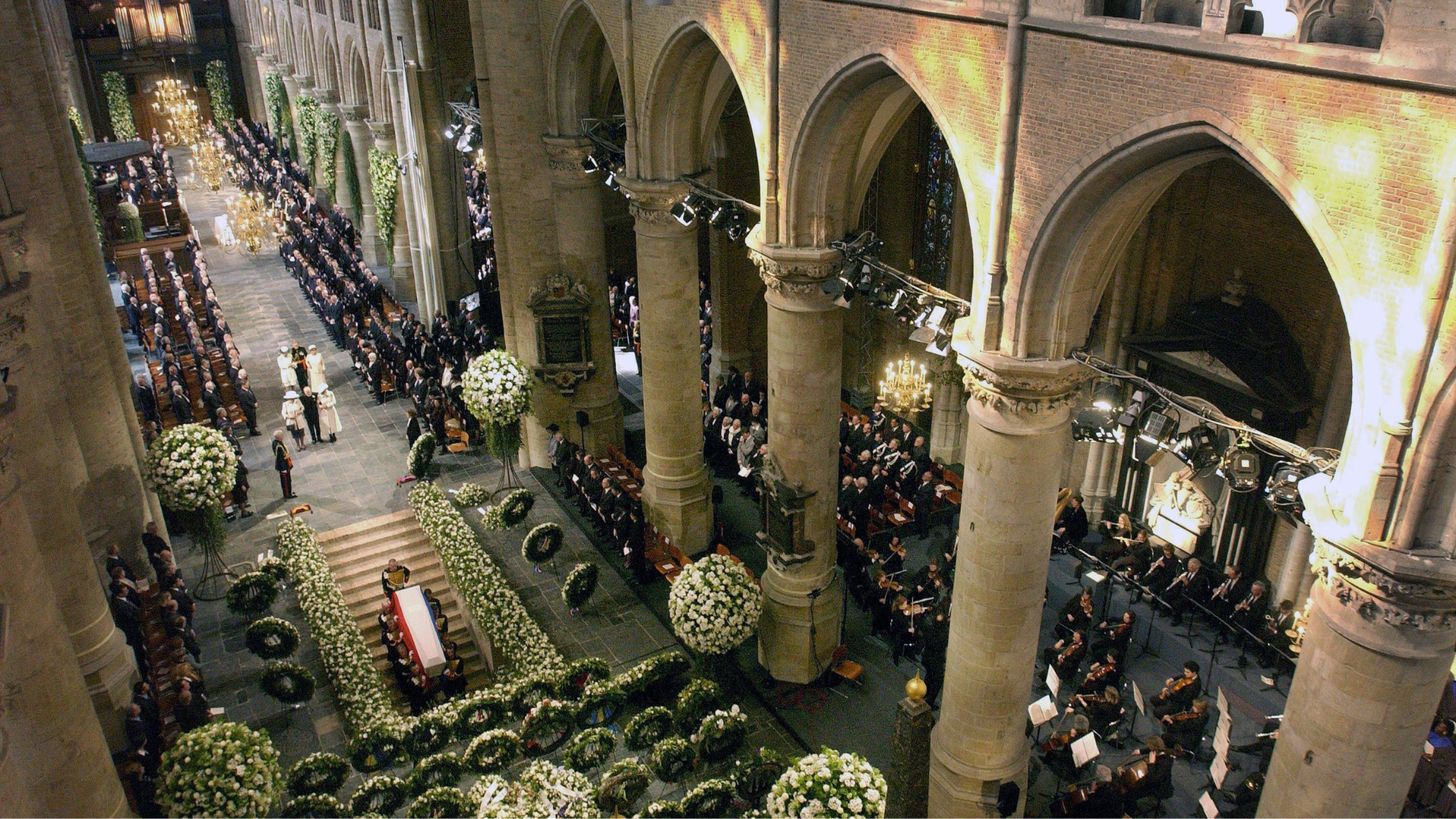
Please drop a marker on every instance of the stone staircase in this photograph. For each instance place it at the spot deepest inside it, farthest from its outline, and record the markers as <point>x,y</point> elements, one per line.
<point>357,553</point>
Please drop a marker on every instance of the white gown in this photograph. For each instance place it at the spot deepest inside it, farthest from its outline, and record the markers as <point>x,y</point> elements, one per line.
<point>315,363</point>
<point>329,413</point>
<point>286,372</point>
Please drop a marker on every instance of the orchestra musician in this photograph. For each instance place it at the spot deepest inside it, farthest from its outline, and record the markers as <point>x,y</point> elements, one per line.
<point>1076,615</point>
<point>1192,585</point>
<point>1178,692</point>
<point>1183,730</point>
<point>1227,594</point>
<point>1161,571</point>
<point>1115,637</point>
<point>1149,774</point>
<point>1057,750</point>
<point>1101,674</point>
<point>1276,631</point>
<point>1103,709</point>
<point>1065,655</point>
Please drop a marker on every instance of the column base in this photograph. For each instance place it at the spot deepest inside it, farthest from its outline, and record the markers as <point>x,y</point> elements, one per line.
<point>797,634</point>
<point>958,791</point>
<point>403,274</point>
<point>679,507</point>
<point>109,679</point>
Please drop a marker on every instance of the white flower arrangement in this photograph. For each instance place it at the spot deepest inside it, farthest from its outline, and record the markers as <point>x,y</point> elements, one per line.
<point>543,789</point>
<point>496,388</point>
<point>714,605</point>
<point>484,589</point>
<point>191,467</point>
<point>829,783</point>
<point>220,769</point>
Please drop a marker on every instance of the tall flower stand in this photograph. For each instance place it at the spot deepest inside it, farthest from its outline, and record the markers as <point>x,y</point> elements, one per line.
<point>508,480</point>
<point>207,530</point>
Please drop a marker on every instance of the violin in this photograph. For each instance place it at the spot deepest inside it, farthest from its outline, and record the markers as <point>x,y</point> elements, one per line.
<point>1060,739</point>
<point>1076,797</point>
<point>1068,651</point>
<point>1097,675</point>
<point>1176,686</point>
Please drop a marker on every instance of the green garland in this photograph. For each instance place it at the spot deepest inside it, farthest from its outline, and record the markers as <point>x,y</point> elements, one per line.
<point>384,183</point>
<point>671,760</point>
<point>271,638</point>
<point>308,133</point>
<point>326,135</point>
<point>547,726</point>
<point>220,93</point>
<point>441,801</point>
<point>492,751</point>
<point>280,122</point>
<point>589,749</point>
<point>351,171</point>
<point>252,594</point>
<point>711,798</point>
<point>88,173</point>
<point>622,785</point>
<point>584,672</point>
<point>542,543</point>
<point>315,805</point>
<point>660,671</point>
<point>662,809</point>
<point>288,682</point>
<point>381,794</point>
<point>118,106</point>
<point>720,734</point>
<point>75,117</point>
<point>320,772</point>
<point>647,728</point>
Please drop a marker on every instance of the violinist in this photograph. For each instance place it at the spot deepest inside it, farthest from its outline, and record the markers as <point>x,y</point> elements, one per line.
<point>1076,615</point>
<point>1065,655</point>
<point>904,642</point>
<point>885,586</point>
<point>895,559</point>
<point>1183,730</point>
<point>1115,636</point>
<point>1102,709</point>
<point>1057,750</point>
<point>1178,692</point>
<point>1103,673</point>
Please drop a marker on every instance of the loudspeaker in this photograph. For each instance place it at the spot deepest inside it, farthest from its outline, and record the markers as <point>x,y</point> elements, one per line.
<point>582,419</point>
<point>1007,798</point>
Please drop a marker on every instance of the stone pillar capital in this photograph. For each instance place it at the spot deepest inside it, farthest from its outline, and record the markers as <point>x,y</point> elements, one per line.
<point>1016,396</point>
<point>326,96</point>
<point>651,201</point>
<point>565,154</point>
<point>1395,602</point>
<point>794,276</point>
<point>353,115</point>
<point>383,133</point>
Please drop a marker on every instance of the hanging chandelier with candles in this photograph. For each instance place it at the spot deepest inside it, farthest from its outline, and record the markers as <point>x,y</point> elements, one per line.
<point>905,387</point>
<point>174,102</point>
<point>250,224</point>
<point>209,161</point>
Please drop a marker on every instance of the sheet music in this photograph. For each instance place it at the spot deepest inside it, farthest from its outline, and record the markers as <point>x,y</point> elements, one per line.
<point>1223,706</point>
<point>1218,771</point>
<point>1085,750</point>
<point>1053,682</point>
<point>1041,711</point>
<point>1221,743</point>
<point>1095,577</point>
<point>1210,809</point>
<point>1137,697</point>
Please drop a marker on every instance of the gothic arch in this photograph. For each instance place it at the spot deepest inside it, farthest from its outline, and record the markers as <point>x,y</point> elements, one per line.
<point>328,78</point>
<point>358,85</point>
<point>689,87</point>
<point>856,113</point>
<point>583,69</point>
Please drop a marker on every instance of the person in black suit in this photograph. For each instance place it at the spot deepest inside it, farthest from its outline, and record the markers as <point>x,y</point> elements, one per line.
<point>923,496</point>
<point>1228,593</point>
<point>146,744</point>
<point>1192,586</point>
<point>181,405</point>
<point>412,430</point>
<point>211,399</point>
<point>1248,614</point>
<point>249,403</point>
<point>1178,692</point>
<point>283,463</point>
<point>146,399</point>
<point>114,560</point>
<point>311,414</point>
<point>1071,525</point>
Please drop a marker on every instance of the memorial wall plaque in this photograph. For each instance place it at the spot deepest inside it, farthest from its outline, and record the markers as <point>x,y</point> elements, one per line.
<point>563,336</point>
<point>564,340</point>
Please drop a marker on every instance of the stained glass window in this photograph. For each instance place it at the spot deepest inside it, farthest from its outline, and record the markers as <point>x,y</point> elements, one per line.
<point>936,181</point>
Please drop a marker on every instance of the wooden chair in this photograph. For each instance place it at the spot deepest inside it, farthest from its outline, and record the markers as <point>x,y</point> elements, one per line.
<point>844,668</point>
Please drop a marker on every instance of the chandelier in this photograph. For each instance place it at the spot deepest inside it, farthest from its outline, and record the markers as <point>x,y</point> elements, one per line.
<point>175,104</point>
<point>905,387</point>
<point>249,224</point>
<point>209,161</point>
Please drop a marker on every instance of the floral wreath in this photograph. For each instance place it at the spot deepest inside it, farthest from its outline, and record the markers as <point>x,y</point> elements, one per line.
<point>649,727</point>
<point>252,594</point>
<point>480,713</point>
<point>654,672</point>
<point>373,750</point>
<point>529,692</point>
<point>542,543</point>
<point>662,809</point>
<point>492,751</point>
<point>428,735</point>
<point>380,794</point>
<point>698,698</point>
<point>709,798</point>
<point>441,801</point>
<point>320,772</point>
<point>622,785</point>
<point>220,769</point>
<point>510,512</point>
<point>600,702</point>
<point>421,455</point>
<point>274,567</point>
<point>288,682</point>
<point>435,771</point>
<point>271,638</point>
<point>315,804</point>
<point>547,726</point>
<point>754,775</point>
<point>580,582</point>
<point>471,494</point>
<point>583,673</point>
<point>671,759</point>
<point>589,749</point>
<point>544,789</point>
<point>841,784</point>
<point>714,605</point>
<point>720,734</point>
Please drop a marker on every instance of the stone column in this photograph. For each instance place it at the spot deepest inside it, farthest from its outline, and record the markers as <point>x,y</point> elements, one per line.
<point>402,268</point>
<point>1376,654</point>
<point>947,414</point>
<point>252,68</point>
<point>1016,443</point>
<point>677,484</point>
<point>803,596</point>
<point>360,142</point>
<point>55,757</point>
<point>582,244</point>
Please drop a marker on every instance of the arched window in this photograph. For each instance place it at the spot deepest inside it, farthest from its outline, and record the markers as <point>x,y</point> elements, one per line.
<point>346,11</point>
<point>371,11</point>
<point>935,212</point>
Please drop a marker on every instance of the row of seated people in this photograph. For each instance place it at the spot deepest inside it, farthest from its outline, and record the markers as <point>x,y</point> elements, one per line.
<point>608,491</point>
<point>735,427</point>
<point>171,697</point>
<point>420,689</point>
<point>887,478</point>
<point>435,357</point>
<point>195,368</point>
<point>147,179</point>
<point>1230,600</point>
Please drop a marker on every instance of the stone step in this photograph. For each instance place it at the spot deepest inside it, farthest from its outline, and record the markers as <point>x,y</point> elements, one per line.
<point>404,515</point>
<point>367,540</point>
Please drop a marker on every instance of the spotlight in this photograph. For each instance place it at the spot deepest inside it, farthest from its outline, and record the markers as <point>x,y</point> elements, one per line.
<point>1241,467</point>
<point>892,299</point>
<point>1157,428</point>
<point>1282,490</point>
<point>452,130</point>
<point>590,163</point>
<point>1198,447</point>
<point>722,215</point>
<point>684,214</point>
<point>1093,424</point>
<point>612,182</point>
<point>1134,409</point>
<point>929,324</point>
<point>941,345</point>
<point>738,226</point>
<point>1107,395</point>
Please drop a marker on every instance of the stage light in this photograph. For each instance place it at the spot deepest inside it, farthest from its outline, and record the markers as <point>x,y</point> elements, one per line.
<point>931,326</point>
<point>1156,429</point>
<point>1134,409</point>
<point>738,226</point>
<point>941,345</point>
<point>684,214</point>
<point>1282,490</point>
<point>1241,467</point>
<point>1198,447</point>
<point>469,140</point>
<point>722,215</point>
<point>611,181</point>
<point>590,163</point>
<point>452,130</point>
<point>1107,395</point>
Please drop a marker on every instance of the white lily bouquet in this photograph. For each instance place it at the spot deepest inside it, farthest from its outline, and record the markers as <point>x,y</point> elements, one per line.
<point>496,388</point>
<point>829,783</point>
<point>193,468</point>
<point>220,769</point>
<point>714,605</point>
